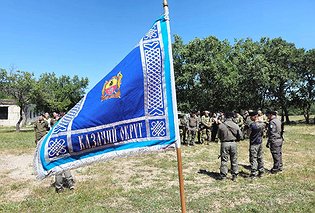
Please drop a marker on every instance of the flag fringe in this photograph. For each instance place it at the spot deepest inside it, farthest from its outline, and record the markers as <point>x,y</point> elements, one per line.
<point>41,173</point>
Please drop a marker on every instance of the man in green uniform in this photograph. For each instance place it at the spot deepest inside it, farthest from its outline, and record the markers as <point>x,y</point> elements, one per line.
<point>40,128</point>
<point>214,126</point>
<point>255,145</point>
<point>228,133</point>
<point>182,127</point>
<point>239,120</point>
<point>192,127</point>
<point>205,128</point>
<point>275,141</point>
<point>64,179</point>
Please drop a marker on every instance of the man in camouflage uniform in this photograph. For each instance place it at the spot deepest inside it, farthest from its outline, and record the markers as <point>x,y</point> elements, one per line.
<point>40,128</point>
<point>192,127</point>
<point>263,118</point>
<point>239,120</point>
<point>228,133</point>
<point>64,179</point>
<point>255,145</point>
<point>214,126</point>
<point>182,127</point>
<point>198,114</point>
<point>275,141</point>
<point>247,122</point>
<point>205,128</point>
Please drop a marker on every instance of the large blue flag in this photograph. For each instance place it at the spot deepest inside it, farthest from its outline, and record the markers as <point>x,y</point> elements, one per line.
<point>131,110</point>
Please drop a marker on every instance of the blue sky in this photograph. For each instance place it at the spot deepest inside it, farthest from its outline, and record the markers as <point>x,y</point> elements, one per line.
<point>88,38</point>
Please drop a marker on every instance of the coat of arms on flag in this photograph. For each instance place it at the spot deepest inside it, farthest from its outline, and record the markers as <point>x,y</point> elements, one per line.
<point>111,88</point>
<point>131,110</point>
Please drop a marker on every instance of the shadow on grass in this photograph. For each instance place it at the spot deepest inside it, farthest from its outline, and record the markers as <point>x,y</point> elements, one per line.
<point>214,175</point>
<point>27,130</point>
<point>243,174</point>
<point>247,167</point>
<point>217,176</point>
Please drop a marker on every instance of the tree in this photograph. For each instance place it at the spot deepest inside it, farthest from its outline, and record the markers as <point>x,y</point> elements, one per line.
<point>283,59</point>
<point>197,68</point>
<point>20,85</point>
<point>58,94</point>
<point>212,74</point>
<point>305,94</point>
<point>248,58</point>
<point>3,77</point>
<point>181,77</point>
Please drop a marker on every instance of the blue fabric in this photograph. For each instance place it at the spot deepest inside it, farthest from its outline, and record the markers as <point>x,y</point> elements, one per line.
<point>256,133</point>
<point>129,111</point>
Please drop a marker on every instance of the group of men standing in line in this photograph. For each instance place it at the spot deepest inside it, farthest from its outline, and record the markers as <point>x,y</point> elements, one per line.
<point>41,126</point>
<point>230,128</point>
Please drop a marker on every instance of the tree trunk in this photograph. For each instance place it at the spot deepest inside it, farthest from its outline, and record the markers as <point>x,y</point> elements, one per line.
<point>307,114</point>
<point>17,127</point>
<point>307,119</point>
<point>285,114</point>
<point>287,119</point>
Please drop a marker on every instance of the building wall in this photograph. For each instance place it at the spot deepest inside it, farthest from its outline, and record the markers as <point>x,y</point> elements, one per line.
<point>14,114</point>
<point>30,114</point>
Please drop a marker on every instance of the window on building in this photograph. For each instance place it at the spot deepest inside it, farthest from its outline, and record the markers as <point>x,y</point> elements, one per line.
<point>4,113</point>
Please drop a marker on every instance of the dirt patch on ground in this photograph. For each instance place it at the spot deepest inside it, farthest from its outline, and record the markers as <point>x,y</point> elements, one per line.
<point>17,167</point>
<point>17,172</point>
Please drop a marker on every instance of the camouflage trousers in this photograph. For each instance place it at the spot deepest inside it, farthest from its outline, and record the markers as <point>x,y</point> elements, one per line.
<point>205,135</point>
<point>192,133</point>
<point>64,179</point>
<point>256,158</point>
<point>182,134</point>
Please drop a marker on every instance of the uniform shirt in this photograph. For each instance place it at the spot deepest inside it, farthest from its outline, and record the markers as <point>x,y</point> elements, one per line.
<point>49,123</point>
<point>239,120</point>
<point>274,131</point>
<point>205,121</point>
<point>257,130</point>
<point>228,130</point>
<point>40,128</point>
<point>182,122</point>
<point>193,122</point>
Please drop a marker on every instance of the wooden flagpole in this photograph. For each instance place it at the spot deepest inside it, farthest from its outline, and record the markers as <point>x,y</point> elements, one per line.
<point>181,179</point>
<point>178,148</point>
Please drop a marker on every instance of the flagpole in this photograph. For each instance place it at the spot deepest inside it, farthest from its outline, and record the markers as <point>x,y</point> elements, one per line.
<point>178,148</point>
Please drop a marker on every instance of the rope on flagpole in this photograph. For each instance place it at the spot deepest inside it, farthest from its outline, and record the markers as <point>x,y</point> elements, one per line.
<point>178,147</point>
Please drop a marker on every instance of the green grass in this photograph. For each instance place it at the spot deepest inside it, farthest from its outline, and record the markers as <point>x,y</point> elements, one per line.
<point>149,183</point>
<point>16,142</point>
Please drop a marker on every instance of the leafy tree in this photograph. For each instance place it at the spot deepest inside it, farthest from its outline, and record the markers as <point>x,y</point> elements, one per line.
<point>59,94</point>
<point>19,85</point>
<point>252,67</point>
<point>197,68</point>
<point>305,94</point>
<point>3,77</point>
<point>283,59</point>
<point>212,74</point>
<point>182,78</point>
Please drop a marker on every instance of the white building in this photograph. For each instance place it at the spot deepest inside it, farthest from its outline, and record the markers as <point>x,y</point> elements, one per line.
<point>10,113</point>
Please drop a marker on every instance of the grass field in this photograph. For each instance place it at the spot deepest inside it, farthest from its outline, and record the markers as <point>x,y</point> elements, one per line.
<point>149,183</point>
